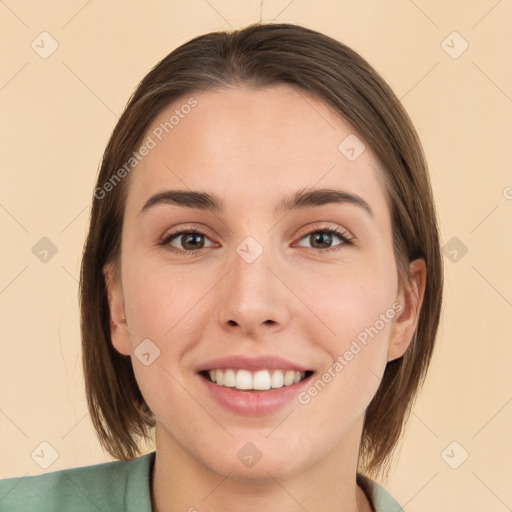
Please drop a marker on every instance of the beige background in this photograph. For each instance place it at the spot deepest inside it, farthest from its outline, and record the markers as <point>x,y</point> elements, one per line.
<point>58,112</point>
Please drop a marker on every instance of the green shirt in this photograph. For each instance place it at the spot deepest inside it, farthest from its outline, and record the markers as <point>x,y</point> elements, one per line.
<point>122,486</point>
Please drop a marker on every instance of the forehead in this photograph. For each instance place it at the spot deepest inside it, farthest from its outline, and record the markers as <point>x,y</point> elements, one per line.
<point>252,146</point>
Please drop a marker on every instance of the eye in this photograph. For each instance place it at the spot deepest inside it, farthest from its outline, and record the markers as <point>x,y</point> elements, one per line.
<point>326,235</point>
<point>190,240</point>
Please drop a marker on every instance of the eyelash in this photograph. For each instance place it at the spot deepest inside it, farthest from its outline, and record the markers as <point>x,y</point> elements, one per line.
<point>165,241</point>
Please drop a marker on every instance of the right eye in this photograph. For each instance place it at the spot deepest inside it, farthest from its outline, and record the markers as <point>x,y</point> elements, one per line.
<point>188,236</point>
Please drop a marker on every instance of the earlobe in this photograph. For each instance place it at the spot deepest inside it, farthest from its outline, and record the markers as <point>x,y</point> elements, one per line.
<point>119,333</point>
<point>411,301</point>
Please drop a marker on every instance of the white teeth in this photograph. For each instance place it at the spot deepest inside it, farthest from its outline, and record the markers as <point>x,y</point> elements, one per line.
<point>289,377</point>
<point>277,379</point>
<point>260,380</point>
<point>230,378</point>
<point>243,379</point>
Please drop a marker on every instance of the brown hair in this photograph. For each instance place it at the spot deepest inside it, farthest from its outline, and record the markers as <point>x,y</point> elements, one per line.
<point>262,55</point>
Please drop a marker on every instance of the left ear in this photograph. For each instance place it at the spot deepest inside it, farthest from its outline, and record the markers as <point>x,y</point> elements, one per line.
<point>410,300</point>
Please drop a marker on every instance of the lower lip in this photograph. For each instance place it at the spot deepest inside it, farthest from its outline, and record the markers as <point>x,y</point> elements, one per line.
<point>256,403</point>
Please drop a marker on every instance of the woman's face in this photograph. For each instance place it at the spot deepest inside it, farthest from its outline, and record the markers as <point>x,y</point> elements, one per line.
<point>264,281</point>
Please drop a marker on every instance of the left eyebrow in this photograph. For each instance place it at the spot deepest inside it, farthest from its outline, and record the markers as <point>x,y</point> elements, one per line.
<point>318,197</point>
<point>301,199</point>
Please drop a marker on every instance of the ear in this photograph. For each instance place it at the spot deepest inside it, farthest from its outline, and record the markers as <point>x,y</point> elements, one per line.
<point>119,333</point>
<point>410,301</point>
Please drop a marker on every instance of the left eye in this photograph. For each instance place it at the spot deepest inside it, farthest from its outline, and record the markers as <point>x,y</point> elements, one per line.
<point>326,235</point>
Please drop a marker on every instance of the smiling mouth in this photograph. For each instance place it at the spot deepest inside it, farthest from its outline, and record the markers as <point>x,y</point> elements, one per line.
<point>258,381</point>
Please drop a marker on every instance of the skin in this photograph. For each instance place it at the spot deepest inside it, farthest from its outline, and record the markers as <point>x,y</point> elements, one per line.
<point>252,147</point>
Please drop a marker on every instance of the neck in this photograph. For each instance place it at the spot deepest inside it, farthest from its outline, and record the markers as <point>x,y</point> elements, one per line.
<point>183,483</point>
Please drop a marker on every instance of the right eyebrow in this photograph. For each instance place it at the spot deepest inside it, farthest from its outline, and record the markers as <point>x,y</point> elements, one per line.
<point>186,198</point>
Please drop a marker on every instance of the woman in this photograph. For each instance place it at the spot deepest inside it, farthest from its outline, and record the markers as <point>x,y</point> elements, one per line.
<point>262,242</point>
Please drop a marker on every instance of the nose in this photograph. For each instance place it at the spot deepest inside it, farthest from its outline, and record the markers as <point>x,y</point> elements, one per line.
<point>252,298</point>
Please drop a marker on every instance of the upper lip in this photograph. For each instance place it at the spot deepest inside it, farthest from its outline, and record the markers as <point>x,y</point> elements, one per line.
<point>242,362</point>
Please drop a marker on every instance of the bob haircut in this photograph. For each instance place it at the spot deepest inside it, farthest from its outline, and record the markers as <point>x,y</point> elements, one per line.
<point>260,55</point>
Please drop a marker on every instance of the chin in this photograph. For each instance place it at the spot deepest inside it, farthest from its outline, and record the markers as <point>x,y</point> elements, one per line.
<point>250,461</point>
<point>263,471</point>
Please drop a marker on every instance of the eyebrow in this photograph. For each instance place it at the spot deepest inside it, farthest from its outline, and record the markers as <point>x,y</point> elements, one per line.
<point>300,200</point>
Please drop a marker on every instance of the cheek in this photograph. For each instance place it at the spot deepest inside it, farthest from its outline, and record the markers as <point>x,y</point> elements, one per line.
<point>160,302</point>
<point>350,299</point>
<point>163,306</point>
<point>354,311</point>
